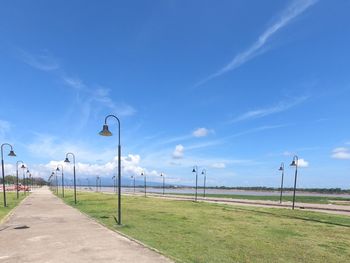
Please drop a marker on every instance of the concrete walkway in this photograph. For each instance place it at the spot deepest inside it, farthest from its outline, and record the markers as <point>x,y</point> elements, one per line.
<point>44,229</point>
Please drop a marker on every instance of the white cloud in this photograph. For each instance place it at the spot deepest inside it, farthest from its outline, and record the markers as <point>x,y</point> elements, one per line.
<point>280,107</point>
<point>341,153</point>
<point>43,61</point>
<point>219,165</point>
<point>302,163</point>
<point>201,132</point>
<point>178,152</point>
<point>295,9</point>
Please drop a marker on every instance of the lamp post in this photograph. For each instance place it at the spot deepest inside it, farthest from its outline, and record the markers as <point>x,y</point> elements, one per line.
<point>145,185</point>
<point>26,179</point>
<point>11,153</point>
<point>162,175</point>
<point>17,163</point>
<point>52,175</point>
<point>114,184</point>
<point>133,177</point>
<point>23,176</point>
<point>97,178</point>
<point>75,184</point>
<point>58,169</point>
<point>195,170</point>
<point>295,163</point>
<point>105,132</point>
<point>204,172</point>
<point>282,170</point>
<point>56,179</point>
<point>30,181</point>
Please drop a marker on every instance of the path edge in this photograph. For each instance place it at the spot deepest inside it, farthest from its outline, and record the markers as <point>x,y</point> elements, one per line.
<point>122,234</point>
<point>12,211</point>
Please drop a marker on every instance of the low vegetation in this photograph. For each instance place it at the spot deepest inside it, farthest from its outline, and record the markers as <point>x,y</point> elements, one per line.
<point>12,202</point>
<point>202,232</point>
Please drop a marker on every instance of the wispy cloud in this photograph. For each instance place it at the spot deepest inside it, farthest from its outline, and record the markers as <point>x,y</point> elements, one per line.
<point>341,153</point>
<point>280,107</point>
<point>258,129</point>
<point>42,61</point>
<point>296,8</point>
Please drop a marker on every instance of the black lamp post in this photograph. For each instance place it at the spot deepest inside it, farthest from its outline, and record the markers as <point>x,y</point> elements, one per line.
<point>195,170</point>
<point>105,132</point>
<point>114,184</point>
<point>282,170</point>
<point>143,174</point>
<point>295,163</point>
<point>75,184</point>
<point>58,169</point>
<point>52,175</point>
<point>56,179</point>
<point>26,179</point>
<point>23,176</point>
<point>133,177</point>
<point>204,172</point>
<point>11,153</point>
<point>97,184</point>
<point>162,175</point>
<point>17,163</point>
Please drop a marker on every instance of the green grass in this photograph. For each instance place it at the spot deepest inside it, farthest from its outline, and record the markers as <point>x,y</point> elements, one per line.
<point>204,232</point>
<point>300,199</point>
<point>11,201</point>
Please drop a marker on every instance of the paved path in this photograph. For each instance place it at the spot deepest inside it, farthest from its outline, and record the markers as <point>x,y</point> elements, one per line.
<point>59,233</point>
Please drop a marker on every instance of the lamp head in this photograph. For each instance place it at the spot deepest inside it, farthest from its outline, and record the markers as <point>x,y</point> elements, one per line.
<point>12,153</point>
<point>105,131</point>
<point>66,160</point>
<point>194,170</point>
<point>142,173</point>
<point>294,163</point>
<point>23,167</point>
<point>57,169</point>
<point>27,170</point>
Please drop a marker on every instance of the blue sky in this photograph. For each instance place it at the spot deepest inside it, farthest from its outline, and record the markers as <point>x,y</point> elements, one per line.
<point>235,87</point>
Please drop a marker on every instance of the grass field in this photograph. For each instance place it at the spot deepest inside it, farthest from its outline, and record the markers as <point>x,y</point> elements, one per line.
<point>300,199</point>
<point>12,202</point>
<point>203,232</point>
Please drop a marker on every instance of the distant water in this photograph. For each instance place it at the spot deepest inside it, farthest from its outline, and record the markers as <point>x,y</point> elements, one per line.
<point>208,191</point>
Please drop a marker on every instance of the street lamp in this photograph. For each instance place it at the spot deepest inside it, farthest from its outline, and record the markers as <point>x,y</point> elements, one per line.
<point>58,169</point>
<point>26,179</point>
<point>114,184</point>
<point>133,177</point>
<point>52,175</point>
<point>195,170</point>
<point>11,153</point>
<point>295,163</point>
<point>23,176</point>
<point>75,184</point>
<point>105,132</point>
<point>282,170</point>
<point>56,179</point>
<point>97,179</point>
<point>204,172</point>
<point>162,175</point>
<point>17,163</point>
<point>143,174</point>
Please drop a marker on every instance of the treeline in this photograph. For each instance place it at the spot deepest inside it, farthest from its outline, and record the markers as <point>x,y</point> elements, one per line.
<point>264,188</point>
<point>11,179</point>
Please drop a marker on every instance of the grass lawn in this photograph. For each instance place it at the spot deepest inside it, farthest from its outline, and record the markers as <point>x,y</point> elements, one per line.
<point>11,201</point>
<point>300,199</point>
<point>204,232</point>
